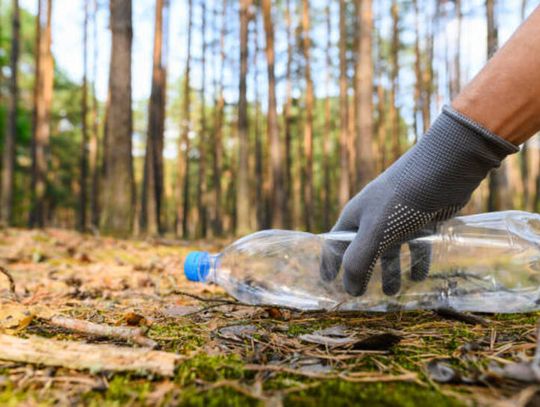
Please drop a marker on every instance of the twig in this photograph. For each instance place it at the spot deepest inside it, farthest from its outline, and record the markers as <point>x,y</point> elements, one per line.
<point>135,335</point>
<point>84,356</point>
<point>12,287</point>
<point>452,314</point>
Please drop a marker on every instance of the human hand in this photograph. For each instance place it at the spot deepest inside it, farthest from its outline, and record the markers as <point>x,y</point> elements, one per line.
<point>428,184</point>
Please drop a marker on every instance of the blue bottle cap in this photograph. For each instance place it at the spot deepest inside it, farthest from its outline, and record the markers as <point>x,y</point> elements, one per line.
<point>197,266</point>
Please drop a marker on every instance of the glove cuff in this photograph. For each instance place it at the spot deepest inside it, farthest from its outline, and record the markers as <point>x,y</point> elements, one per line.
<point>501,146</point>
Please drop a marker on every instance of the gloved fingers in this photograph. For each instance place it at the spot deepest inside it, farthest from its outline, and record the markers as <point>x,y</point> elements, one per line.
<point>359,260</point>
<point>331,257</point>
<point>421,253</point>
<point>420,260</point>
<point>391,270</point>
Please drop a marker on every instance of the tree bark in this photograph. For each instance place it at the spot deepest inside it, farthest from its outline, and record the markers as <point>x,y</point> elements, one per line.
<point>364,95</point>
<point>287,118</point>
<point>42,105</point>
<point>118,186</point>
<point>498,183</point>
<point>276,164</point>
<point>327,187</point>
<point>242,188</point>
<point>83,192</point>
<point>152,195</point>
<point>183,177</point>
<point>394,72</point>
<point>9,154</point>
<point>94,150</point>
<point>202,189</point>
<point>218,127</point>
<point>308,125</point>
<point>344,182</point>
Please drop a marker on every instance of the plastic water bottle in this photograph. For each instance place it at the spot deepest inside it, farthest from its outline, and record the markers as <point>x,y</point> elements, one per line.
<point>487,263</point>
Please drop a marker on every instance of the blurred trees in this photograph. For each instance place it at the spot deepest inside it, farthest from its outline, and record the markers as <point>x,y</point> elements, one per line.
<point>348,86</point>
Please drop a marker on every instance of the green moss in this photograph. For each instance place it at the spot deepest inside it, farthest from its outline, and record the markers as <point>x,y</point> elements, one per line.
<point>340,393</point>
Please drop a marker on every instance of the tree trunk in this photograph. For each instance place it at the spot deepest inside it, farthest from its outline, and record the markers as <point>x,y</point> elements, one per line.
<point>202,147</point>
<point>287,118</point>
<point>118,186</point>
<point>83,192</point>
<point>364,96</point>
<point>183,184</point>
<point>94,150</point>
<point>152,193</point>
<point>242,187</point>
<point>308,125</point>
<point>497,199</point>
<point>8,159</point>
<point>455,83</point>
<point>344,183</point>
<point>418,84</point>
<point>525,148</point>
<point>218,127</point>
<point>276,164</point>
<point>394,71</point>
<point>427,74</point>
<point>42,105</point>
<point>327,187</point>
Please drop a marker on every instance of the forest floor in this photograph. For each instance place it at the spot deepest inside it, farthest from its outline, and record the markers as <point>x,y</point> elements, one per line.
<point>231,354</point>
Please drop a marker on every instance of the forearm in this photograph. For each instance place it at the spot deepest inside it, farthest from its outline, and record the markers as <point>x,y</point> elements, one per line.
<point>505,96</point>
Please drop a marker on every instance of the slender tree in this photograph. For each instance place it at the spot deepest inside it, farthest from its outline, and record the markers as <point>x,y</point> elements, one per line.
<point>365,170</point>
<point>497,198</point>
<point>525,148</point>
<point>94,150</point>
<point>183,184</point>
<point>418,85</point>
<point>344,183</point>
<point>287,117</point>
<point>308,125</point>
<point>202,189</point>
<point>327,185</point>
<point>276,163</point>
<point>218,127</point>
<point>455,82</point>
<point>83,187</point>
<point>261,197</point>
<point>394,72</point>
<point>8,158</point>
<point>152,195</point>
<point>42,108</point>
<point>118,186</point>
<point>242,188</point>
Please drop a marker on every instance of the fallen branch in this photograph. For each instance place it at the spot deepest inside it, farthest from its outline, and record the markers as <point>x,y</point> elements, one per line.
<point>83,356</point>
<point>127,333</point>
<point>12,288</point>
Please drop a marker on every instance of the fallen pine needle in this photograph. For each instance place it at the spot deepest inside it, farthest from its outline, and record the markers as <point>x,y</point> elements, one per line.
<point>83,356</point>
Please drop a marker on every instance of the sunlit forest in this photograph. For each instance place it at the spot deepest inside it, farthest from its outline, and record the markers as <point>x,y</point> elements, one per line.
<point>260,113</point>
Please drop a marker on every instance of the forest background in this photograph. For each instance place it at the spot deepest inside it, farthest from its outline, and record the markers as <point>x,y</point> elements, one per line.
<point>196,119</point>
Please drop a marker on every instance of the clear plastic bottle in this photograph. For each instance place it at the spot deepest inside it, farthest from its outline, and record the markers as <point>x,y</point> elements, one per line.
<point>486,263</point>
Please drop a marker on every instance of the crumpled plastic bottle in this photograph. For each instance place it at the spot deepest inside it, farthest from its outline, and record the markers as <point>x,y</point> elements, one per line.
<point>486,263</point>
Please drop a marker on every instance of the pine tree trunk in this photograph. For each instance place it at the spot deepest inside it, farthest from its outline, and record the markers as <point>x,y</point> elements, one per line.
<point>152,195</point>
<point>242,188</point>
<point>218,127</point>
<point>42,103</point>
<point>327,186</point>
<point>83,192</point>
<point>308,125</point>
<point>183,176</point>
<point>8,158</point>
<point>287,118</point>
<point>202,146</point>
<point>497,199</point>
<point>344,183</point>
<point>276,164</point>
<point>418,84</point>
<point>118,185</point>
<point>94,150</point>
<point>525,148</point>
<point>364,95</point>
<point>394,55</point>
<point>455,83</point>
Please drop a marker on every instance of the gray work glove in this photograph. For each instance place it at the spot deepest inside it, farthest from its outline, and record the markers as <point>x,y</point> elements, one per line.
<point>431,182</point>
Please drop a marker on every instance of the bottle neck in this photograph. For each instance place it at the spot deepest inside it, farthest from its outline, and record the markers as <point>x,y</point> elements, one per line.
<point>207,268</point>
